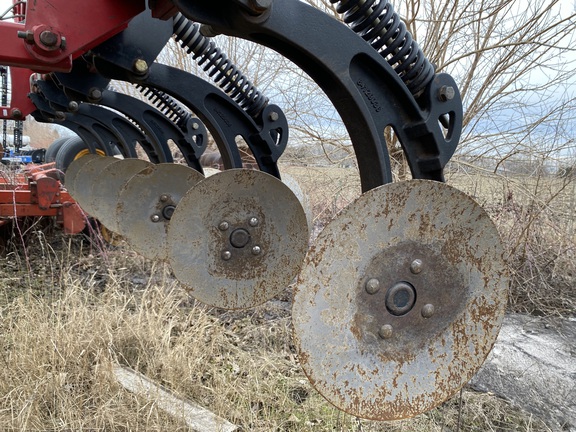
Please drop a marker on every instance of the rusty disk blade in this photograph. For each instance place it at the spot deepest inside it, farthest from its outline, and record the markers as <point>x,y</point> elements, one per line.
<point>400,300</point>
<point>106,189</point>
<point>74,169</point>
<point>237,239</point>
<point>146,204</point>
<point>82,182</point>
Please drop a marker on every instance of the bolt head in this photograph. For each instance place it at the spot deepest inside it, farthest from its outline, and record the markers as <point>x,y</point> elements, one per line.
<point>223,226</point>
<point>446,93</point>
<point>372,286</point>
<point>226,255</point>
<point>274,116</point>
<point>386,331</point>
<point>164,197</point>
<point>195,126</point>
<point>73,106</point>
<point>256,250</point>
<point>428,310</point>
<point>140,66</point>
<point>416,266</point>
<point>253,222</point>
<point>48,38</point>
<point>155,218</point>
<point>16,114</point>
<point>95,94</point>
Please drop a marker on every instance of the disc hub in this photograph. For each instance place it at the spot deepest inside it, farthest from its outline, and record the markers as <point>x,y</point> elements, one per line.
<point>400,298</point>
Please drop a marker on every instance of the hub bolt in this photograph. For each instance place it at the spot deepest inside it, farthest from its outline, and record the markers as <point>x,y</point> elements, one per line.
<point>223,226</point>
<point>256,250</point>
<point>226,255</point>
<point>428,310</point>
<point>155,218</point>
<point>164,197</point>
<point>372,286</point>
<point>253,222</point>
<point>386,331</point>
<point>416,266</point>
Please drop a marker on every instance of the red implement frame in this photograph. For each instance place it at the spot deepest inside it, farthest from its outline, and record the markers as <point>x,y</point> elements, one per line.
<point>56,32</point>
<point>38,192</point>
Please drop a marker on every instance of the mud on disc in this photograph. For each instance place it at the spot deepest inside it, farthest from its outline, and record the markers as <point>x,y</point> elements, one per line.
<point>237,239</point>
<point>146,203</point>
<point>400,300</point>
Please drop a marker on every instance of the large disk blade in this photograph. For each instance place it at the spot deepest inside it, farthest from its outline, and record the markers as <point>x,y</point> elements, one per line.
<point>147,202</point>
<point>75,169</point>
<point>82,182</point>
<point>237,239</point>
<point>400,300</point>
<point>106,189</point>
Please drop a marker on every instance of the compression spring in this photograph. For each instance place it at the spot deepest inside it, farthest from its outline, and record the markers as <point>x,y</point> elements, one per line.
<point>213,61</point>
<point>377,23</point>
<point>167,105</point>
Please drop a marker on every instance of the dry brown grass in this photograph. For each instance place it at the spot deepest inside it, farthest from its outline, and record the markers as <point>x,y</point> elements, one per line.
<point>62,329</point>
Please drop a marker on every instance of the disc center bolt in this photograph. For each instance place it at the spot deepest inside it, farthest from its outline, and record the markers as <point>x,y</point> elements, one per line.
<point>400,299</point>
<point>239,238</point>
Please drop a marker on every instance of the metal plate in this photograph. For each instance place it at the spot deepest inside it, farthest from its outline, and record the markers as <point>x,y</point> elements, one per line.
<point>106,188</point>
<point>237,239</point>
<point>74,169</point>
<point>84,179</point>
<point>400,300</point>
<point>145,204</point>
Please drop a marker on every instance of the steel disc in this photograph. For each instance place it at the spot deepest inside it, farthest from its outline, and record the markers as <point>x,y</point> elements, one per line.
<point>146,203</point>
<point>74,169</point>
<point>237,239</point>
<point>400,300</point>
<point>83,181</point>
<point>106,189</point>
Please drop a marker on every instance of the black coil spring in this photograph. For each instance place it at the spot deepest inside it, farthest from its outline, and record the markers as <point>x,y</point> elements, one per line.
<point>377,23</point>
<point>166,104</point>
<point>213,61</point>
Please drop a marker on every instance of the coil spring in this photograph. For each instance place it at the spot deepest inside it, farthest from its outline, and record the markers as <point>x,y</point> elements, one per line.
<point>166,104</point>
<point>213,61</point>
<point>377,23</point>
